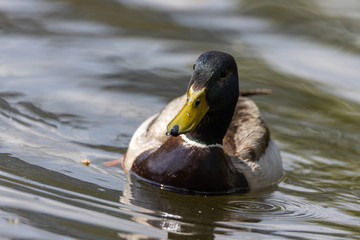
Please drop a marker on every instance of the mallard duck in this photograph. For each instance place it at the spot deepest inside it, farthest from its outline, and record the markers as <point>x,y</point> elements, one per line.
<point>208,141</point>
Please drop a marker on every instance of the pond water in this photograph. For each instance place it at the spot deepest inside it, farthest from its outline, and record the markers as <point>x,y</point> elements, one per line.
<point>78,76</point>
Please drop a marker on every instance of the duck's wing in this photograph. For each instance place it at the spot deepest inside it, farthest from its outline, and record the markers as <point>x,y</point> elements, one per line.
<point>248,144</point>
<point>150,135</point>
<point>247,136</point>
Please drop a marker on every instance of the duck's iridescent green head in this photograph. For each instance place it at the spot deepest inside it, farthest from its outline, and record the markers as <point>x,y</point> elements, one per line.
<point>213,87</point>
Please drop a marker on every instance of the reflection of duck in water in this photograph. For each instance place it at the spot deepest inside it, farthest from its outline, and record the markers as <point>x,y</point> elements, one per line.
<point>219,142</point>
<point>193,217</point>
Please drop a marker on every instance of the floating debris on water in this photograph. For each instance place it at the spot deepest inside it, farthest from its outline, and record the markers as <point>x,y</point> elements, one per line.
<point>14,221</point>
<point>86,162</point>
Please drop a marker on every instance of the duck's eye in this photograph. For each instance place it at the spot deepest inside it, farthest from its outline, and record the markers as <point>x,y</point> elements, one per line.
<point>223,74</point>
<point>196,102</point>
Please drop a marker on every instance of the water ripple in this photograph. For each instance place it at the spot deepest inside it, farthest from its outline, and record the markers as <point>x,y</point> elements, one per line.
<point>277,208</point>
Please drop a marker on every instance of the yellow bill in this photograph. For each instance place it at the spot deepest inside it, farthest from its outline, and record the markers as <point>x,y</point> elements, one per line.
<point>191,113</point>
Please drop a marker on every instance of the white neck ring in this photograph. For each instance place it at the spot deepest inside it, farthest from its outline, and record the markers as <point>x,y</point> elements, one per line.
<point>191,143</point>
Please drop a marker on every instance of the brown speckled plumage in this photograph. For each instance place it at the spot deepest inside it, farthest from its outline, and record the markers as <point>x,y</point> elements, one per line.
<point>247,128</point>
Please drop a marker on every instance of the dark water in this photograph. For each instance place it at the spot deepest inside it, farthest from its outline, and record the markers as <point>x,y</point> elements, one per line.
<point>78,76</point>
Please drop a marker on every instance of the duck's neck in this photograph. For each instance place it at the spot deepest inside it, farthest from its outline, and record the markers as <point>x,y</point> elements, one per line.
<point>213,127</point>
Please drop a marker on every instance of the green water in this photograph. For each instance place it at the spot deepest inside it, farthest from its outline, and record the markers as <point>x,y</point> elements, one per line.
<point>77,77</point>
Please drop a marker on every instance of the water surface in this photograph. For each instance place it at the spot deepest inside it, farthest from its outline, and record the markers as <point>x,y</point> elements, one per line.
<point>78,76</point>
